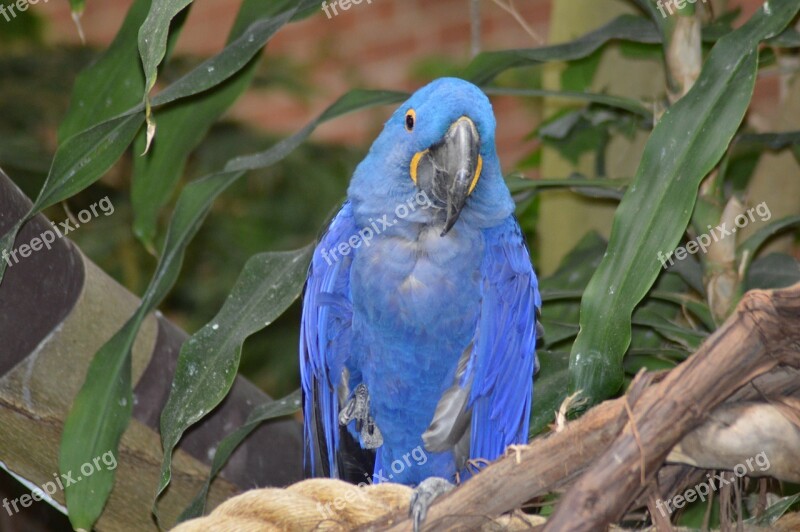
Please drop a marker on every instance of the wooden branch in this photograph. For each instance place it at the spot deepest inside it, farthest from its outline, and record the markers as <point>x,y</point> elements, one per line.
<point>740,360</point>
<point>58,309</point>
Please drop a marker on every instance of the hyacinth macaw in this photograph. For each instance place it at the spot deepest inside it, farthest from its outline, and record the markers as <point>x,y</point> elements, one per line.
<point>420,310</point>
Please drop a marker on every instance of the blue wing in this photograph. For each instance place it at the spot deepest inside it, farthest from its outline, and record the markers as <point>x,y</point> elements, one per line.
<point>502,362</point>
<point>325,338</point>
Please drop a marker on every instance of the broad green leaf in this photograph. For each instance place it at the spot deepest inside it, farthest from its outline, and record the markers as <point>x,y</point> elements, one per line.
<point>776,270</point>
<point>89,432</point>
<point>110,86</point>
<point>209,360</point>
<point>281,407</point>
<point>94,426</point>
<point>487,65</point>
<point>686,144</point>
<point>747,250</point>
<point>182,125</point>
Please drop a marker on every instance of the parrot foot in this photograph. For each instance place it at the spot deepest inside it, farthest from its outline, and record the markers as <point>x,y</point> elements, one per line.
<point>475,464</point>
<point>424,494</point>
<point>357,408</point>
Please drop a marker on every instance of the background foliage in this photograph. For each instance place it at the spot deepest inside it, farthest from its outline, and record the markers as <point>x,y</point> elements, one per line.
<point>206,207</point>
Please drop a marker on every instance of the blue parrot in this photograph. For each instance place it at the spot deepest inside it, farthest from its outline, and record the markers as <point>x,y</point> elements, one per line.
<point>421,306</point>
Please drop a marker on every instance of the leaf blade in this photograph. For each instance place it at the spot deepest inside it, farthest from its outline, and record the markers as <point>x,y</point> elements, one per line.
<point>656,208</point>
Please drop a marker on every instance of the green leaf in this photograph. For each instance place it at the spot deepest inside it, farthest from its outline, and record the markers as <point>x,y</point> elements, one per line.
<point>748,249</point>
<point>209,360</point>
<point>83,158</point>
<point>548,389</point>
<point>78,163</point>
<point>77,6</point>
<point>776,270</point>
<point>355,99</point>
<point>191,210</point>
<point>619,102</point>
<point>233,58</point>
<point>774,512</point>
<point>688,338</point>
<point>575,182</point>
<point>153,35</point>
<point>283,407</point>
<point>487,65</point>
<point>110,86</point>
<point>182,125</point>
<point>685,145</point>
<point>94,426</point>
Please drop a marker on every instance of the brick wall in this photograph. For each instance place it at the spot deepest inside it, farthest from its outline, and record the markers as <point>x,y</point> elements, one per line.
<point>373,45</point>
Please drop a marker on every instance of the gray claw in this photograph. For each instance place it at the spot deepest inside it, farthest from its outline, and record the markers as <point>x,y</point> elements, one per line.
<point>357,408</point>
<point>424,494</point>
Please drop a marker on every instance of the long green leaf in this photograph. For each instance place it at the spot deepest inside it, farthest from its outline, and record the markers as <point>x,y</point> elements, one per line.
<point>183,124</point>
<point>685,145</point>
<point>488,65</point>
<point>153,35</point>
<point>86,437</point>
<point>209,360</point>
<point>89,432</point>
<point>113,84</point>
<point>191,210</point>
<point>82,158</point>
<point>280,407</point>
<point>355,99</point>
<point>620,102</point>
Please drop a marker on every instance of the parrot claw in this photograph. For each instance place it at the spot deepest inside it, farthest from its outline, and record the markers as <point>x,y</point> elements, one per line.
<point>424,494</point>
<point>357,408</point>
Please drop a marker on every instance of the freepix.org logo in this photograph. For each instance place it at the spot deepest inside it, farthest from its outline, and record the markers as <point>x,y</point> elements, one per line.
<point>10,11</point>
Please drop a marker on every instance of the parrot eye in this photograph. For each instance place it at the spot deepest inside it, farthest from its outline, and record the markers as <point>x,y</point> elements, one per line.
<point>411,117</point>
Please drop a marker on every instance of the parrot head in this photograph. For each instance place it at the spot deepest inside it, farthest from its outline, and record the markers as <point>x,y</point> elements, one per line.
<point>440,142</point>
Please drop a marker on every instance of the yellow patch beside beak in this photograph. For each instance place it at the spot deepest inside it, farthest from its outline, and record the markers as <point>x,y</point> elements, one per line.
<point>415,164</point>
<point>477,176</point>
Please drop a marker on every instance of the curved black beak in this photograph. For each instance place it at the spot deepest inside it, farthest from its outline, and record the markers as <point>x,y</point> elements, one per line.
<point>449,170</point>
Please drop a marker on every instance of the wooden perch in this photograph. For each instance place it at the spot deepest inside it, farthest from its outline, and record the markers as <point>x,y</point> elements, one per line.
<point>754,356</point>
<point>58,309</point>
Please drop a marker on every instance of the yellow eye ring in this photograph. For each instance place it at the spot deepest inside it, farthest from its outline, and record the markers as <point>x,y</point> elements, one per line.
<point>411,119</point>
